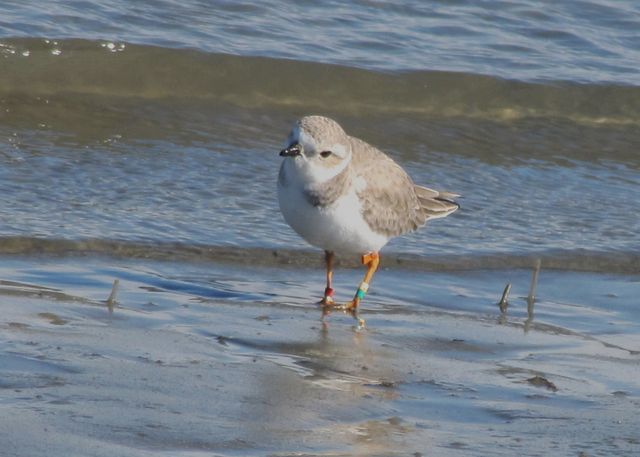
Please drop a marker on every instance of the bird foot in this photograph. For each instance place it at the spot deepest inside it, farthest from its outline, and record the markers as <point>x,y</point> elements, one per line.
<point>327,301</point>
<point>351,307</point>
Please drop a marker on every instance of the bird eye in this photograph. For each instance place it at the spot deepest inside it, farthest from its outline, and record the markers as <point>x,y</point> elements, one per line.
<point>325,154</point>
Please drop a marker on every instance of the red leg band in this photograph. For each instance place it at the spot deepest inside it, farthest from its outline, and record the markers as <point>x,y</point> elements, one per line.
<point>328,292</point>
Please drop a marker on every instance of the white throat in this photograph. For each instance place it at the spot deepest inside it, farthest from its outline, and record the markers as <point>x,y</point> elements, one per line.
<point>310,173</point>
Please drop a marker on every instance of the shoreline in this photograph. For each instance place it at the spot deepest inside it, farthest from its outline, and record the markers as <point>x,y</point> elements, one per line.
<point>579,260</point>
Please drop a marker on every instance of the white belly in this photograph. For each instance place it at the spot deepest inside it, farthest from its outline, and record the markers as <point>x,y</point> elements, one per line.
<point>339,227</point>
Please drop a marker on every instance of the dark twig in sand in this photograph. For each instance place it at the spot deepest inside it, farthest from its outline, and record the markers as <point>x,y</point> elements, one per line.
<point>503,303</point>
<point>111,301</point>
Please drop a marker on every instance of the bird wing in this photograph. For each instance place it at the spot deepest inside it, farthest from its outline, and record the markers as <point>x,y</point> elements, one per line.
<point>391,203</point>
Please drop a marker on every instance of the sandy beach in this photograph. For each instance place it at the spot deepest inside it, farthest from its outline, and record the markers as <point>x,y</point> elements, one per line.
<point>224,360</point>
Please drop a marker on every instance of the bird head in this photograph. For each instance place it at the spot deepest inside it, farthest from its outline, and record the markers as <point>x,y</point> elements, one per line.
<point>318,148</point>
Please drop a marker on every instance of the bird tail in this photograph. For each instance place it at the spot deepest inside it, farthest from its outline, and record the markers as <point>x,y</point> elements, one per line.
<point>435,204</point>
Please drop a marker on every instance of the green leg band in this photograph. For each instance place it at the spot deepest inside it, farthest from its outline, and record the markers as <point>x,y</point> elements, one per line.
<point>360,294</point>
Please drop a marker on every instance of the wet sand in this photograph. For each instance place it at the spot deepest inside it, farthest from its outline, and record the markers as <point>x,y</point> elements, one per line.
<point>211,359</point>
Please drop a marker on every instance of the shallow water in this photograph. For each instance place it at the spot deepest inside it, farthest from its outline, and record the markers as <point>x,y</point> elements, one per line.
<point>127,146</point>
<point>139,143</point>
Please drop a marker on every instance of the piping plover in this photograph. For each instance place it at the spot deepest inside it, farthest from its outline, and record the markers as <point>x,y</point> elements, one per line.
<point>345,196</point>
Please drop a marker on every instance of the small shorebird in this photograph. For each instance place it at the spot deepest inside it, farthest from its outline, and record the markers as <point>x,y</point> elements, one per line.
<point>345,196</point>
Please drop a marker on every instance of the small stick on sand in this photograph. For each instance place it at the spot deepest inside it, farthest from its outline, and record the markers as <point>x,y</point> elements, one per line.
<point>503,303</point>
<point>534,282</point>
<point>531,298</point>
<point>111,301</point>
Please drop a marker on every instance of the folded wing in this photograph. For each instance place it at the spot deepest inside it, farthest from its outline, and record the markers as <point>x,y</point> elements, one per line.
<point>391,203</point>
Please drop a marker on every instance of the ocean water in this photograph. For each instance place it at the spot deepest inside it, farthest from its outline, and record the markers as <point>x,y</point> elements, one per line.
<point>139,141</point>
<point>161,122</point>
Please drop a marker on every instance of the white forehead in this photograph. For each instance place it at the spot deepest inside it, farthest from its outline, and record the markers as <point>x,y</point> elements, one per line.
<point>305,138</point>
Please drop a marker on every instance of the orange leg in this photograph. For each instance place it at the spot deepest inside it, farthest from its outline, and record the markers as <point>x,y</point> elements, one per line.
<point>371,260</point>
<point>327,300</point>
